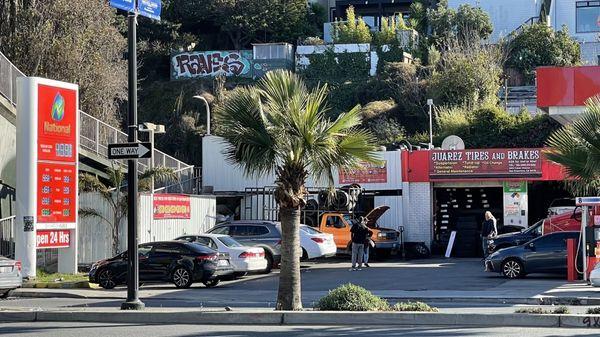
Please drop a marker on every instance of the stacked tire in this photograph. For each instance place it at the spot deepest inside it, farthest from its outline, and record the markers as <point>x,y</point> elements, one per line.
<point>467,237</point>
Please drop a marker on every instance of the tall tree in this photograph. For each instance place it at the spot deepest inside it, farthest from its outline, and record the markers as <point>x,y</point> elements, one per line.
<point>279,127</point>
<point>577,148</point>
<point>72,41</point>
<point>538,45</point>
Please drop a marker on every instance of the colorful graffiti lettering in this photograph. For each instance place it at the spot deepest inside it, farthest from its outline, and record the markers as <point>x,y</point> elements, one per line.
<point>211,63</point>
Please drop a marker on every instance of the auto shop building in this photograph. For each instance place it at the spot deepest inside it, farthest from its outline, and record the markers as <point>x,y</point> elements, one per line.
<point>450,190</point>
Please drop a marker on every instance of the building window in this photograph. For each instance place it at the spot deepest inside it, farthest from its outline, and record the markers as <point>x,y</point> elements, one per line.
<point>588,16</point>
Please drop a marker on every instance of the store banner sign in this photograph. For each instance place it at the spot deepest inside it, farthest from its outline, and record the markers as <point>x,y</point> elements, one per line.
<point>485,163</point>
<point>171,206</point>
<point>53,239</point>
<point>368,173</point>
<point>515,203</point>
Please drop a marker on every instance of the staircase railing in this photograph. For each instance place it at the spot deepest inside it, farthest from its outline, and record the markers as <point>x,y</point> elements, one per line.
<point>95,135</point>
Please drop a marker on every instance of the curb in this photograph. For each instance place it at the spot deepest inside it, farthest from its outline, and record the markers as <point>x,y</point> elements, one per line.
<point>503,300</point>
<point>58,285</point>
<point>303,318</point>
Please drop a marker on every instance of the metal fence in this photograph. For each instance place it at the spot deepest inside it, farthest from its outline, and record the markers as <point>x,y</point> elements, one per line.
<point>8,79</point>
<point>7,238</point>
<point>95,135</point>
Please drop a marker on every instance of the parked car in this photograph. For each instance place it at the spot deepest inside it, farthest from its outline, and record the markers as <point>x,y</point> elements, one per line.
<point>244,259</point>
<point>10,276</point>
<point>339,225</point>
<point>546,254</point>
<point>515,239</point>
<point>179,262</point>
<point>315,243</point>
<point>257,233</point>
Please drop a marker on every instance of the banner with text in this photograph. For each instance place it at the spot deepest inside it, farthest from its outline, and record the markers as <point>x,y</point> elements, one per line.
<point>485,163</point>
<point>369,173</point>
<point>53,239</point>
<point>171,206</point>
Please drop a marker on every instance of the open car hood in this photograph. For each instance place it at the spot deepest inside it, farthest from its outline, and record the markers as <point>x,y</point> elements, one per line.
<point>374,215</point>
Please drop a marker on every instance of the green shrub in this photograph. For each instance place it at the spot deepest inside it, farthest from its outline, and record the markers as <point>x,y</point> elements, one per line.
<point>562,310</point>
<point>413,306</point>
<point>352,30</point>
<point>532,311</point>
<point>350,297</point>
<point>593,311</point>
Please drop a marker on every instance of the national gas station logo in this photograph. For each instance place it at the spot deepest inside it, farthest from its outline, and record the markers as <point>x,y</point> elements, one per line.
<point>57,114</point>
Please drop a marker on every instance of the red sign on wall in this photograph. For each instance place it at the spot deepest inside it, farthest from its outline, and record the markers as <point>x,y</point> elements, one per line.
<point>369,173</point>
<point>53,239</point>
<point>56,192</point>
<point>171,206</point>
<point>482,163</point>
<point>57,124</point>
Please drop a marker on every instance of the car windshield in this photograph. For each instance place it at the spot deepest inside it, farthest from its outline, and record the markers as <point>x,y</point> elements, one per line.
<point>229,242</point>
<point>537,227</point>
<point>309,230</point>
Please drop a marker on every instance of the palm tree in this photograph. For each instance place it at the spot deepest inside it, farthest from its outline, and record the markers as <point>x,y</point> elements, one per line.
<point>279,127</point>
<point>577,148</point>
<point>115,194</point>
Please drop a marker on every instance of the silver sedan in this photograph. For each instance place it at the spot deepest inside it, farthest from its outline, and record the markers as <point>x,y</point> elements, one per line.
<point>10,276</point>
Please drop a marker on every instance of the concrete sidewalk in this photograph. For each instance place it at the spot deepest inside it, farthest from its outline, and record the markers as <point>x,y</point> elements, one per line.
<point>512,292</point>
<point>270,317</point>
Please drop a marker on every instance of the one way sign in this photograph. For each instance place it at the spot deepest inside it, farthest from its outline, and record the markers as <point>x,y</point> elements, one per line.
<point>129,150</point>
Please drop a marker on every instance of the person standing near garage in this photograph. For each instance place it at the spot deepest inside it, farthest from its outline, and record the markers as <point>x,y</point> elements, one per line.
<point>359,233</point>
<point>488,231</point>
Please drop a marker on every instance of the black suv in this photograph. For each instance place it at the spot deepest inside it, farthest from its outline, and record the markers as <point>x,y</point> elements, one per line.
<point>181,263</point>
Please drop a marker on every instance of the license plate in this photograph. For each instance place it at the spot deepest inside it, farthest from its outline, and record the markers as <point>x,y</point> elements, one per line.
<point>6,269</point>
<point>223,263</point>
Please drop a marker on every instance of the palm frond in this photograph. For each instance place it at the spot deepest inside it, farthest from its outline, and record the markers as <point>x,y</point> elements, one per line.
<point>247,132</point>
<point>577,148</point>
<point>86,212</point>
<point>160,174</point>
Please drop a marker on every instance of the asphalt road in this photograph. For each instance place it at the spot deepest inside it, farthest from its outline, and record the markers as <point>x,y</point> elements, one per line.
<point>436,277</point>
<point>59,329</point>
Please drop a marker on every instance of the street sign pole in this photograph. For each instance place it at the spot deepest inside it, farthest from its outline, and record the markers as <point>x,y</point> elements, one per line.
<point>133,302</point>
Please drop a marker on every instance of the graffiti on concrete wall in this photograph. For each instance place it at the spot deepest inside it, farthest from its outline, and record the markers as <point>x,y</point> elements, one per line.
<point>211,63</point>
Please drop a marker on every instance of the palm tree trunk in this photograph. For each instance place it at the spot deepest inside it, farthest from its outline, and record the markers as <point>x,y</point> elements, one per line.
<point>289,296</point>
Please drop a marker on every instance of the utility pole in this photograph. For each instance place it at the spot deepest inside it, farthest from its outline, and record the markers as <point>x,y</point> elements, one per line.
<point>133,302</point>
<point>430,103</point>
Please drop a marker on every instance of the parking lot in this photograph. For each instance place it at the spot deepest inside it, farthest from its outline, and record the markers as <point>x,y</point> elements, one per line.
<point>434,279</point>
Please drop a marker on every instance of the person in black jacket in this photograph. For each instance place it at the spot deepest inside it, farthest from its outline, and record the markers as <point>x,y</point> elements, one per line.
<point>488,231</point>
<point>359,233</point>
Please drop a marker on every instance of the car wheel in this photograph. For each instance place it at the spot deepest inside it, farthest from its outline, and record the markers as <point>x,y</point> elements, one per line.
<point>512,269</point>
<point>182,278</point>
<point>421,250</point>
<point>6,293</point>
<point>304,256</point>
<point>106,279</point>
<point>270,263</point>
<point>211,283</point>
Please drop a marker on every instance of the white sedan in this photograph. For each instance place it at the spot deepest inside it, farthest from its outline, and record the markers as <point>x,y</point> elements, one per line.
<point>315,243</point>
<point>243,258</point>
